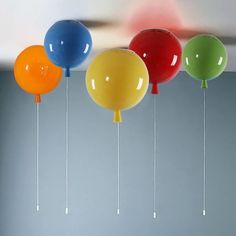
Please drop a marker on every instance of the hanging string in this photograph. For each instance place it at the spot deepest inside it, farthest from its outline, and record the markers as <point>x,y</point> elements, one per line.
<point>154,154</point>
<point>37,156</point>
<point>118,168</point>
<point>67,148</point>
<point>204,153</point>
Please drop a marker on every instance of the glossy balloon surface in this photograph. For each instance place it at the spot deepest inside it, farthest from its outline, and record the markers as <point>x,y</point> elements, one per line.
<point>117,79</point>
<point>68,43</point>
<point>161,52</point>
<point>204,57</point>
<point>35,73</point>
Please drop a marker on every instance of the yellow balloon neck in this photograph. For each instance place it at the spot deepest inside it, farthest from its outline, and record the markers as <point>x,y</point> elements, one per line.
<point>117,118</point>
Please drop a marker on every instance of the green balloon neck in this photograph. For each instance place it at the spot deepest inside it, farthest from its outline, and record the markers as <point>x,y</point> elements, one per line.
<point>204,84</point>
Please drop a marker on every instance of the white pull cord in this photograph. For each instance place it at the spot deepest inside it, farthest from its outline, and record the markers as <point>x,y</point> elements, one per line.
<point>154,154</point>
<point>37,156</point>
<point>67,148</point>
<point>118,168</point>
<point>204,153</point>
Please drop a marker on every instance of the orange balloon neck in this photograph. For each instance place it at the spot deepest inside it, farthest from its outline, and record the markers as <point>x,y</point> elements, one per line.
<point>37,98</point>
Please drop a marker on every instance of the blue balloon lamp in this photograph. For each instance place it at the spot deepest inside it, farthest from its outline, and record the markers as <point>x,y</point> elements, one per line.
<point>68,44</point>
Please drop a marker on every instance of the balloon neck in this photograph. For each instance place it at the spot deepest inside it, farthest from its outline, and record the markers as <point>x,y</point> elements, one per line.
<point>155,88</point>
<point>204,84</point>
<point>67,72</point>
<point>117,118</point>
<point>37,98</point>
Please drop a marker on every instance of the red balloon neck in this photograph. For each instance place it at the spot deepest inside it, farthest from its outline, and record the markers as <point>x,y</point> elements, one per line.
<point>155,88</point>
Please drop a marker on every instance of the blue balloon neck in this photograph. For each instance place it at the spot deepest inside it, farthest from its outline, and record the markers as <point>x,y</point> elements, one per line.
<point>67,72</point>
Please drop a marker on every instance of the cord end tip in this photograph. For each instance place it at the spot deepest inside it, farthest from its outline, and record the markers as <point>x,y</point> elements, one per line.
<point>154,215</point>
<point>204,212</point>
<point>37,208</point>
<point>118,211</point>
<point>67,211</point>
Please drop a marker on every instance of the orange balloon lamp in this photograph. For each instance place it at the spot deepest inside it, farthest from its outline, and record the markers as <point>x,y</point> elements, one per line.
<point>35,73</point>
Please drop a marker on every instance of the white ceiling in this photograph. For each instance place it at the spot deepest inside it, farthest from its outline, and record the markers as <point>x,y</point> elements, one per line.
<point>25,22</point>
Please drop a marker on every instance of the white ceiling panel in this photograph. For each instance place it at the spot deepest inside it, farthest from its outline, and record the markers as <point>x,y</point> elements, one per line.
<point>114,22</point>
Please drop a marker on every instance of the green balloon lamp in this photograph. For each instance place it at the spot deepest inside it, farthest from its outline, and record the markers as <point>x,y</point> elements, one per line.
<point>204,58</point>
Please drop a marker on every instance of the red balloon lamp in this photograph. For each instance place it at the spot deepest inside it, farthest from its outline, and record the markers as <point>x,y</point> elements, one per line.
<point>161,51</point>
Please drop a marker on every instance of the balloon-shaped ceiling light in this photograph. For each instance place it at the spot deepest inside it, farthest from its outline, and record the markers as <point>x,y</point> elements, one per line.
<point>68,44</point>
<point>117,79</point>
<point>161,52</point>
<point>36,75</point>
<point>204,58</point>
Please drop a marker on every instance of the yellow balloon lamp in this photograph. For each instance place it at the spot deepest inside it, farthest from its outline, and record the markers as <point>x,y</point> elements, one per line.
<point>117,79</point>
